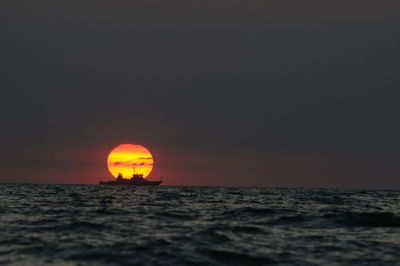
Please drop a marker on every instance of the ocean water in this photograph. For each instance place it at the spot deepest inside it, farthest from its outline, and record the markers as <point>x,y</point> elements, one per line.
<point>120,225</point>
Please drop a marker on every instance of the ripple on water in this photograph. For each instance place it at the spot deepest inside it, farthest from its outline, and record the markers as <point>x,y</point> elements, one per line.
<point>89,224</point>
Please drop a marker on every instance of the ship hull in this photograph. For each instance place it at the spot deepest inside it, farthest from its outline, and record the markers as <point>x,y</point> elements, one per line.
<point>116,183</point>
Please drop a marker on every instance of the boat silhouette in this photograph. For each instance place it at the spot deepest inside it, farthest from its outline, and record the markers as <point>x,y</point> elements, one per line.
<point>135,180</point>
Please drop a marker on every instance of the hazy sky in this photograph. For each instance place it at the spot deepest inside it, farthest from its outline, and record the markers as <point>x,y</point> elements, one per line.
<point>251,92</point>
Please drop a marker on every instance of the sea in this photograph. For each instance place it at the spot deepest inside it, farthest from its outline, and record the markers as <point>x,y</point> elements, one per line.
<point>167,225</point>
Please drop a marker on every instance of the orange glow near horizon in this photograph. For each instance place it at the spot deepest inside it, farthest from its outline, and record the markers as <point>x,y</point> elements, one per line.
<point>127,158</point>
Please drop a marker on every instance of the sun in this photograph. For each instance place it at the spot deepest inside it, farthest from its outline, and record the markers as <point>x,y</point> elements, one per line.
<point>128,159</point>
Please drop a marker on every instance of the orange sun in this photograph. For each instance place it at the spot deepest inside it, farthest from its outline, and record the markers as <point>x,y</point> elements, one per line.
<point>128,159</point>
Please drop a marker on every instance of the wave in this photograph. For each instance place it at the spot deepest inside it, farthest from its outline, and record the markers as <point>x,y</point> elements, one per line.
<point>97,225</point>
<point>75,226</point>
<point>368,219</point>
<point>254,211</point>
<point>237,258</point>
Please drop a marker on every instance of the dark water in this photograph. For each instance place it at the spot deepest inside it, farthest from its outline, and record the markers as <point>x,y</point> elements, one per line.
<point>100,225</point>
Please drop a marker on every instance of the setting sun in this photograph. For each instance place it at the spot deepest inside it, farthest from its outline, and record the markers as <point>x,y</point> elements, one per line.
<point>128,159</point>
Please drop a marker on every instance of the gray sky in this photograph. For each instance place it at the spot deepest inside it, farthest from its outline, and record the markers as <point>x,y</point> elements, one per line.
<point>272,93</point>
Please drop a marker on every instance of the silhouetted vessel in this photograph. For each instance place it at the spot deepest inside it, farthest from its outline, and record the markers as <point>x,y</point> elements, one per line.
<point>135,180</point>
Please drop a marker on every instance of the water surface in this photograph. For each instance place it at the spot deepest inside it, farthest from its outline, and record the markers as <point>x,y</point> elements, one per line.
<point>118,225</point>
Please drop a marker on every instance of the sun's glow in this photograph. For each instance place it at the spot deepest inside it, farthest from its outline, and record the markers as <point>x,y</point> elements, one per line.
<point>128,158</point>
